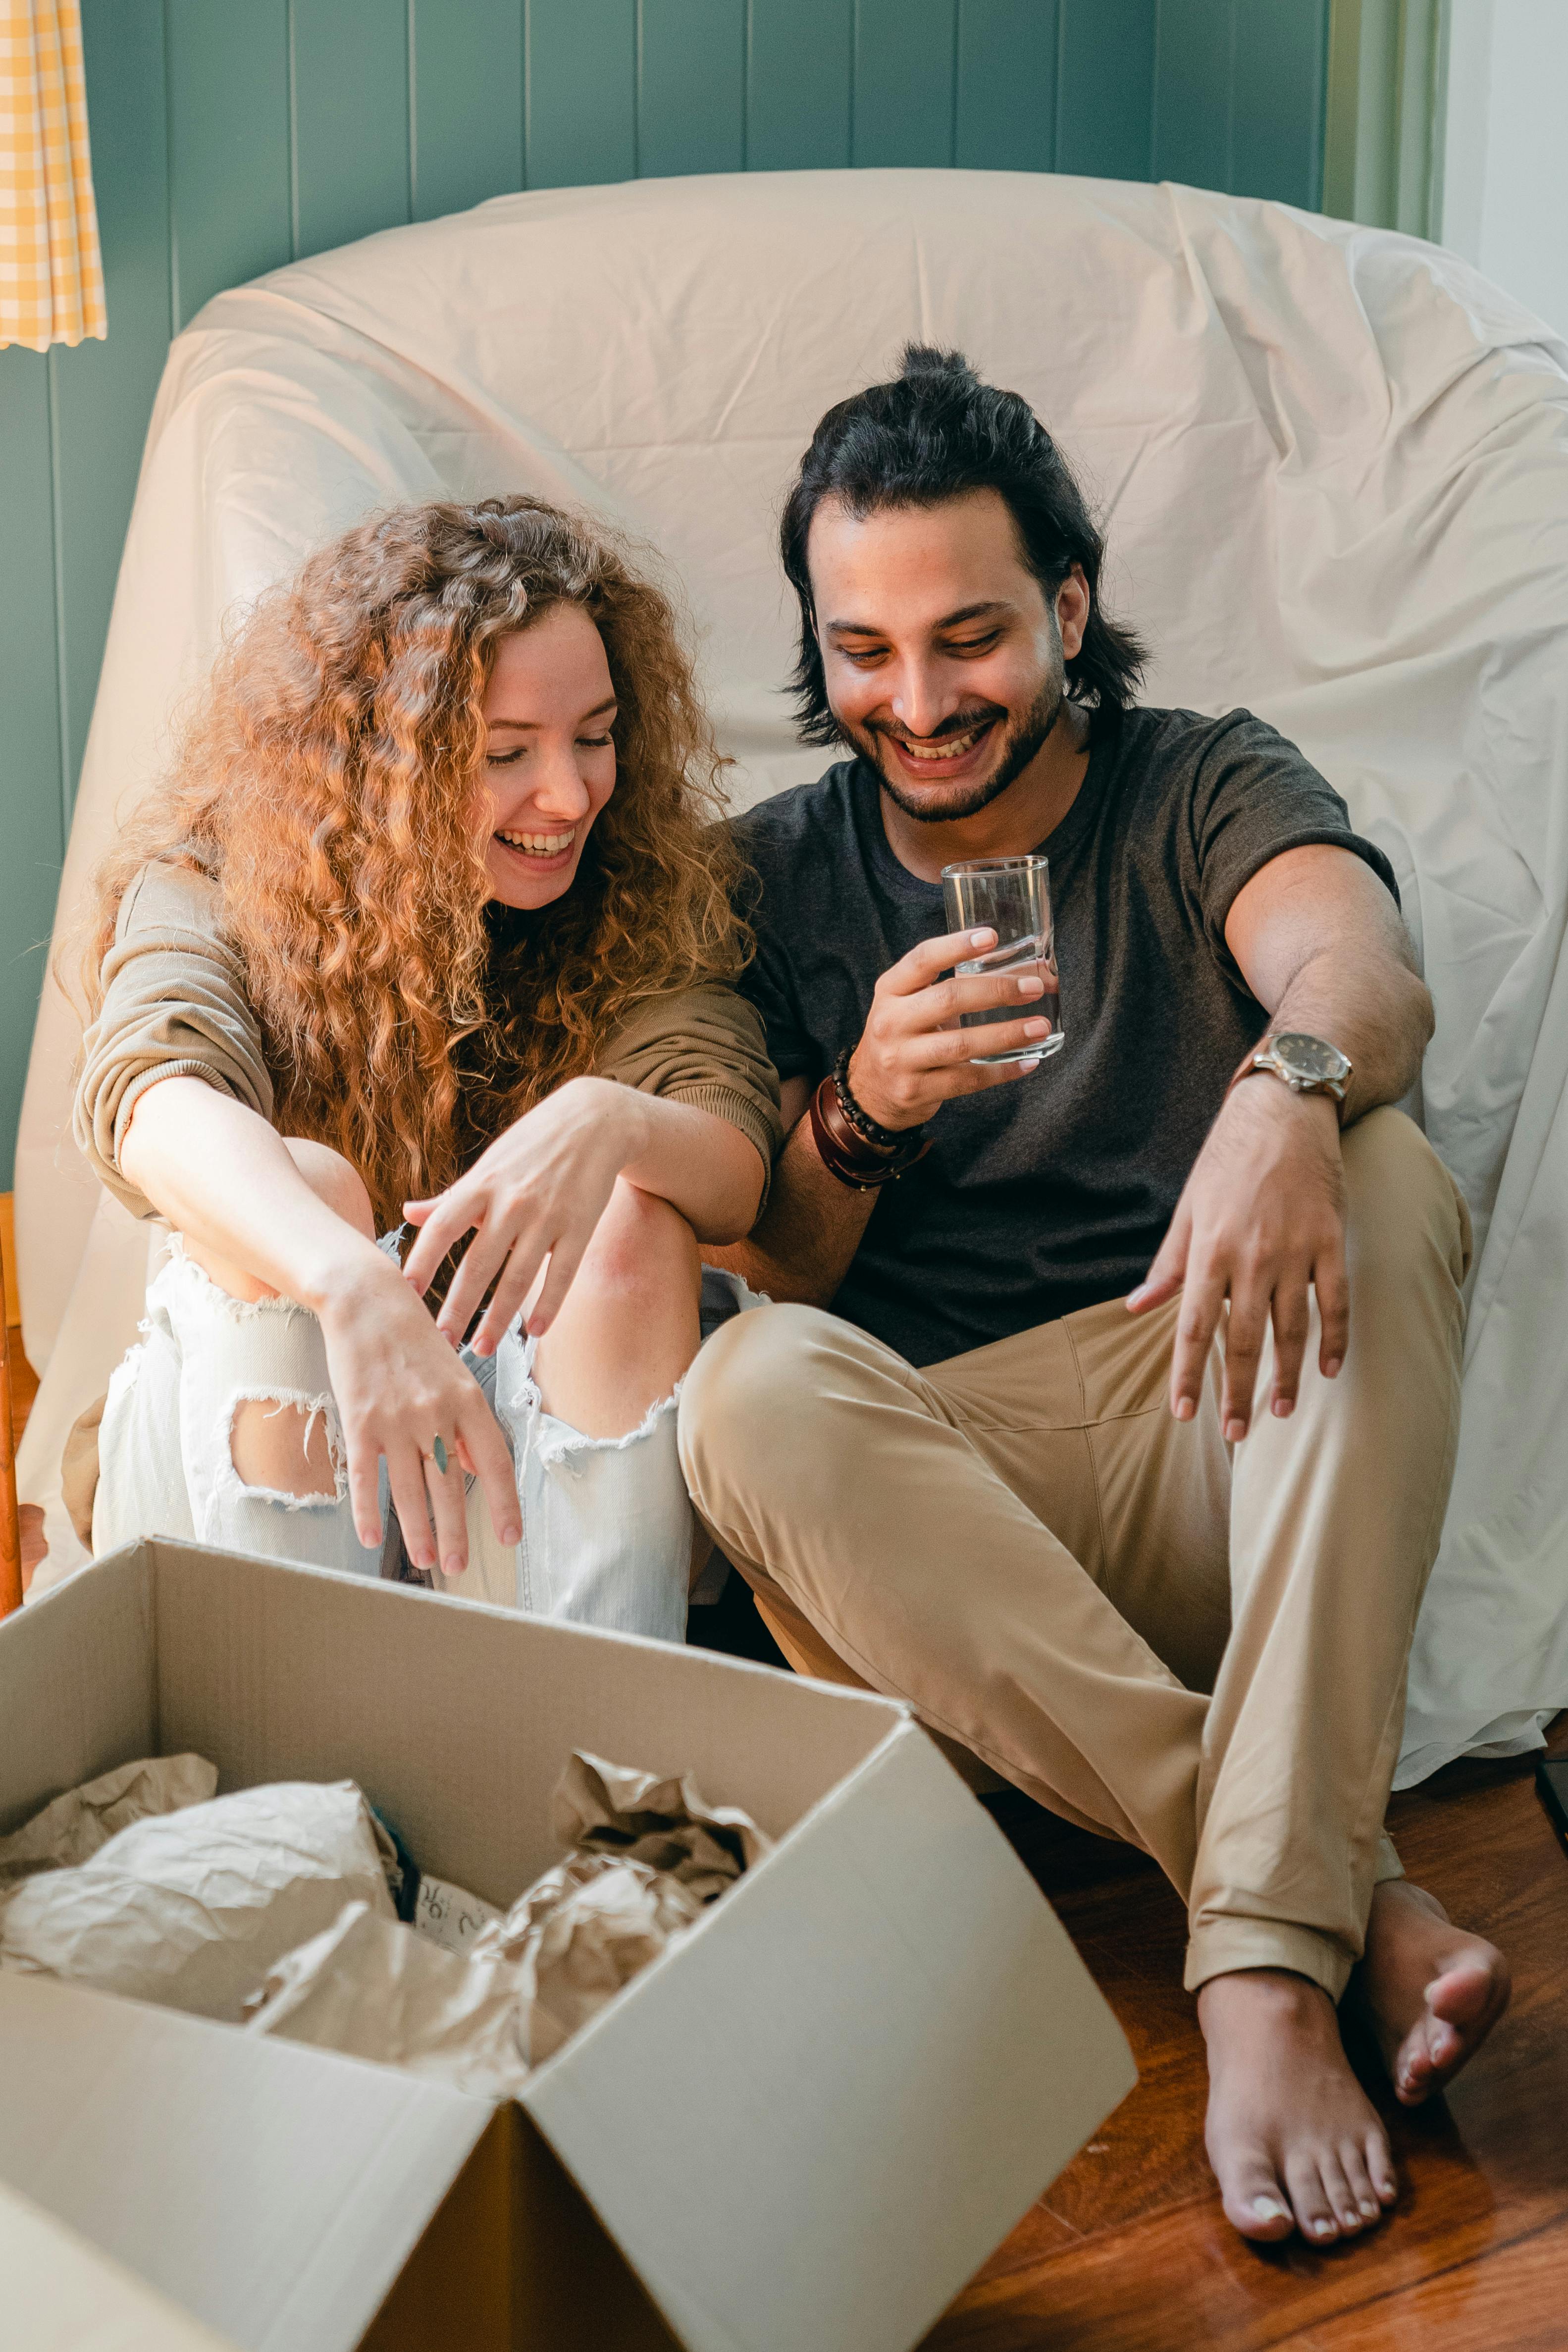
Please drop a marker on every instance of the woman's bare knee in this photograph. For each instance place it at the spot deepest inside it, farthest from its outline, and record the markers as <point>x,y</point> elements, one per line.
<point>628,1328</point>
<point>641,1246</point>
<point>333,1180</point>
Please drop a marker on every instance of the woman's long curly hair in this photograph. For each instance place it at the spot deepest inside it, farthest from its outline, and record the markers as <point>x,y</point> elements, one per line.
<point>329,782</point>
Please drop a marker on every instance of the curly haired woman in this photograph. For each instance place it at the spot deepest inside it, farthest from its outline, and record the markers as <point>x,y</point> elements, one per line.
<point>430,927</point>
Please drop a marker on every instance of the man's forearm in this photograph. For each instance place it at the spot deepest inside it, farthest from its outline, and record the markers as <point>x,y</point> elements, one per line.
<point>801,1246</point>
<point>1376,1011</point>
<point>1320,944</point>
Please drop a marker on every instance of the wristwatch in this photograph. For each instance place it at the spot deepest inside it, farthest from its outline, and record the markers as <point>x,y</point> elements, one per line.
<point>1308,1066</point>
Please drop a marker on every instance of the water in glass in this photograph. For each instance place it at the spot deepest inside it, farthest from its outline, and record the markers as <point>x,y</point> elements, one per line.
<point>1017,958</point>
<point>1012,896</point>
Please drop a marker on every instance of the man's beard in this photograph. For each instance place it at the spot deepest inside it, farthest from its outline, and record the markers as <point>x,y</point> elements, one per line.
<point>1019,746</point>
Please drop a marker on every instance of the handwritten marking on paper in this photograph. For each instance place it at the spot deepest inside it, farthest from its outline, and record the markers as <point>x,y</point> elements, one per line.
<point>448,1915</point>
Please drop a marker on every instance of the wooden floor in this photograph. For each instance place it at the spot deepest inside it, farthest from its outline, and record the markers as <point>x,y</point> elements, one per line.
<point>1129,2251</point>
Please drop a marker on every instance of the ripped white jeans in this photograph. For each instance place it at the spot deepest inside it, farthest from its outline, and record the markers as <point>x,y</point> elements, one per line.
<point>607,1525</point>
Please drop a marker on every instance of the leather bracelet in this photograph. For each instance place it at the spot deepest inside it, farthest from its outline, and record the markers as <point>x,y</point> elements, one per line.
<point>846,1154</point>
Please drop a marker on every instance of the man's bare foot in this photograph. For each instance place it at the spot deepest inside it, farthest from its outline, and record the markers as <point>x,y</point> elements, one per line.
<point>1432,1992</point>
<point>1293,2139</point>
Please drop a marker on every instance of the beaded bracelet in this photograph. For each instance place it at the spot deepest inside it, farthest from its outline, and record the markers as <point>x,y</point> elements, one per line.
<point>885,1138</point>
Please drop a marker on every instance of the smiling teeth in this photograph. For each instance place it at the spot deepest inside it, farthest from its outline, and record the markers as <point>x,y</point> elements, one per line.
<point>953,749</point>
<point>538,845</point>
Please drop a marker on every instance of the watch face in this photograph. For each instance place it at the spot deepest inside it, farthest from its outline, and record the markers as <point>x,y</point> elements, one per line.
<point>1309,1058</point>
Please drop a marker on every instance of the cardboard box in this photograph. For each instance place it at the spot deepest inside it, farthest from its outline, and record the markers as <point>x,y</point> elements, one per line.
<point>62,2296</point>
<point>806,2125</point>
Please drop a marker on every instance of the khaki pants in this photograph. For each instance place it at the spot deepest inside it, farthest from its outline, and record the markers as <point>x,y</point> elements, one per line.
<point>1196,1647</point>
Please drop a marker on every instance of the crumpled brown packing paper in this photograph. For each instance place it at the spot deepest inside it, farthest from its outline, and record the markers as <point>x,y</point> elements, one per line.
<point>579,1934</point>
<point>531,1980</point>
<point>372,1988</point>
<point>668,1824</point>
<point>76,1825</point>
<point>191,1908</point>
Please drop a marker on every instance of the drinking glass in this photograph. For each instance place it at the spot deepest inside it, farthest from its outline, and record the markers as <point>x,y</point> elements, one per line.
<point>1012,896</point>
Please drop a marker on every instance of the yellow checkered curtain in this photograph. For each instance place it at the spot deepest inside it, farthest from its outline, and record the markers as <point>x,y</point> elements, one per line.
<point>51,280</point>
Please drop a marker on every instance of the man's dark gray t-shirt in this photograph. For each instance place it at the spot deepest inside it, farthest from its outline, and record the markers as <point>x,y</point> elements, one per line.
<point>1054,1191</point>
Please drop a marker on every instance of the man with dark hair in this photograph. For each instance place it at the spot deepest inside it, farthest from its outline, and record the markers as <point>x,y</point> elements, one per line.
<point>1017,1475</point>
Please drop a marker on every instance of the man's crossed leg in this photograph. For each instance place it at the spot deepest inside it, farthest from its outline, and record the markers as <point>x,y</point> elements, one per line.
<point>1198,1647</point>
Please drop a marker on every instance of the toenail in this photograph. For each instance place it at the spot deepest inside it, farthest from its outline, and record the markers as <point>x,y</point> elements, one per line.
<point>1370,2211</point>
<point>1322,2229</point>
<point>1268,2209</point>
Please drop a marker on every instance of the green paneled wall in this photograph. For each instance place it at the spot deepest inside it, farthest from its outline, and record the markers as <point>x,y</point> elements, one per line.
<point>230,135</point>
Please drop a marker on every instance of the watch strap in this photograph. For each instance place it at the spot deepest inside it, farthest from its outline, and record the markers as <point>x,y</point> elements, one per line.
<point>1263,1061</point>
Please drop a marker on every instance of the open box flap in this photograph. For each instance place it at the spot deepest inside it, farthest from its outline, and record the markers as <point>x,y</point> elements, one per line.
<point>62,2295</point>
<point>78,1683</point>
<point>815,2118</point>
<point>275,2192</point>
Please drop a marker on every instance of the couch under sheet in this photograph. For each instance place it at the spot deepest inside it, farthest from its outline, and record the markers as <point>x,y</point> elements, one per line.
<point>1334,464</point>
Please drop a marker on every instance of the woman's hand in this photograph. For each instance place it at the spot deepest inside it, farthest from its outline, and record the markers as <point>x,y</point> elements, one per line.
<point>218,1174</point>
<point>538,1192</point>
<point>398,1388</point>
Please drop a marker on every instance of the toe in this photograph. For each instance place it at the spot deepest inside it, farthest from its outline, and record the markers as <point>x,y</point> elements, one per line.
<point>1416,2069</point>
<point>1255,2203</point>
<point>1466,2000</point>
<point>1358,2180</point>
<point>1309,2199</point>
<point>1342,2198</point>
<point>1380,2166</point>
<point>1444,2043</point>
<point>1462,2005</point>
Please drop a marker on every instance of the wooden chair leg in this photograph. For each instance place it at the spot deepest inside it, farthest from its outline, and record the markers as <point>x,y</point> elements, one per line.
<point>10,1521</point>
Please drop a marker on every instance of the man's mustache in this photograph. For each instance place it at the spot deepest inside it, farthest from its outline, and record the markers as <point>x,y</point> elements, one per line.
<point>962,722</point>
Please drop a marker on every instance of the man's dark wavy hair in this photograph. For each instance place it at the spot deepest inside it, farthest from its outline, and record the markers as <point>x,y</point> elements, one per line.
<point>934,433</point>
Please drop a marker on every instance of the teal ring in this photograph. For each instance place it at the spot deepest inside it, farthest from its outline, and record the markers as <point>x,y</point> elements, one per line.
<point>440,1450</point>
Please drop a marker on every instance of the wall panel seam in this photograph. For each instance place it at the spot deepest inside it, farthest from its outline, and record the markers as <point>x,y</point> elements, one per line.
<point>636,88</point>
<point>56,534</point>
<point>524,13</point>
<point>527,82</point>
<point>289,31</point>
<point>1230,97</point>
<point>1061,83</point>
<point>854,59</point>
<point>412,117</point>
<point>1148,171</point>
<point>952,110</point>
<point>1154,85</point>
<point>171,211</point>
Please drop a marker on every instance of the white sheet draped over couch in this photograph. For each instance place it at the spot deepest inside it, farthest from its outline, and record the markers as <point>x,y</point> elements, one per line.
<point>1333,466</point>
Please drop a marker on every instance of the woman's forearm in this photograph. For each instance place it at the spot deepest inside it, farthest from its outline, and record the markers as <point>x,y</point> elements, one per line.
<point>222,1176</point>
<point>700,1164</point>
